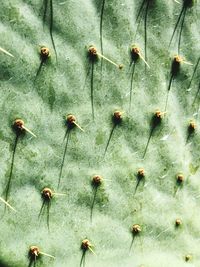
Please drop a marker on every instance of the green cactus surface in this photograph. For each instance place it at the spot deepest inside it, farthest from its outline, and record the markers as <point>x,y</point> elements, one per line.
<point>116,184</point>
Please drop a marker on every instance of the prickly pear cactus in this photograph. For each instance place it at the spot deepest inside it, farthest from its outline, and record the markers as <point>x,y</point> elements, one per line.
<point>99,161</point>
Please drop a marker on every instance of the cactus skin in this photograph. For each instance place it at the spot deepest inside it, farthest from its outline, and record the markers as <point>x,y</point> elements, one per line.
<point>63,88</point>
